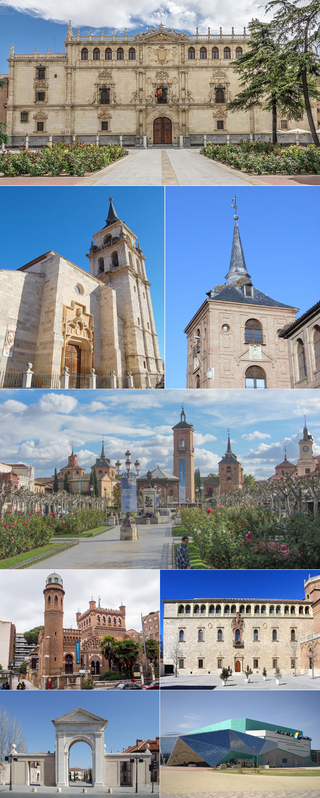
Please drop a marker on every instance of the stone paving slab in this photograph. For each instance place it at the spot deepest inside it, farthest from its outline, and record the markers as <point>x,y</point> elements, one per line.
<point>193,169</point>
<point>152,550</point>
<point>236,682</point>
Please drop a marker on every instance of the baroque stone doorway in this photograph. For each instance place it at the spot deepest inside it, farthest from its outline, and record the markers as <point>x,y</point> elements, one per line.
<point>162,130</point>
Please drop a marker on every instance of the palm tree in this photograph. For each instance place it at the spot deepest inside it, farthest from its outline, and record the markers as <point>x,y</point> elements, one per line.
<point>108,646</point>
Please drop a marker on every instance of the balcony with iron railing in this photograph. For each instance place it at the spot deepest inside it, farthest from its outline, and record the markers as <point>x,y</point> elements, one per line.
<point>238,644</point>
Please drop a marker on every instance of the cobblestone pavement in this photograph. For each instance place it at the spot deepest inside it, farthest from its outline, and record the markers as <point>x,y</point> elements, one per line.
<point>152,550</point>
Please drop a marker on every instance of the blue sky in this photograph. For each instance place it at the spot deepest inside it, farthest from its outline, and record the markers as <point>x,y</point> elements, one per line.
<point>43,23</point>
<point>186,585</point>
<point>132,715</point>
<point>280,240</point>
<point>45,218</point>
<point>37,426</point>
<point>183,712</point>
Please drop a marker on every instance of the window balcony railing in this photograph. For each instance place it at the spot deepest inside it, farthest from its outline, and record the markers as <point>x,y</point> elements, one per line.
<point>238,644</point>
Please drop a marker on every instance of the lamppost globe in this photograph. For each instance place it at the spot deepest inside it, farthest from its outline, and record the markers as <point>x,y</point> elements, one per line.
<point>137,466</point>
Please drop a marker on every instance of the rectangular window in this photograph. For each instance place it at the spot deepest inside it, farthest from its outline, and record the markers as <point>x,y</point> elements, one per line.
<point>40,96</point>
<point>24,116</point>
<point>104,125</point>
<point>248,290</point>
<point>41,73</point>
<point>293,663</point>
<point>200,663</point>
<point>220,124</point>
<point>284,761</point>
<point>40,127</point>
<point>181,663</point>
<point>219,663</point>
<point>274,663</point>
<point>256,663</point>
<point>284,124</point>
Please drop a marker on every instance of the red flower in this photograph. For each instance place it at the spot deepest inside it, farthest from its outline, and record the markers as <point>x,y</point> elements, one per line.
<point>248,535</point>
<point>208,511</point>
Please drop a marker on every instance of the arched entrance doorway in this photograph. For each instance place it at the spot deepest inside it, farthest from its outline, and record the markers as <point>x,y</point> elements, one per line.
<point>79,726</point>
<point>68,664</point>
<point>238,666</point>
<point>162,130</point>
<point>80,770</point>
<point>95,667</point>
<point>73,362</point>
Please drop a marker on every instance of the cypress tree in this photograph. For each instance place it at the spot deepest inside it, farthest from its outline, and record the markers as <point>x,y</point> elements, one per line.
<point>55,482</point>
<point>66,486</point>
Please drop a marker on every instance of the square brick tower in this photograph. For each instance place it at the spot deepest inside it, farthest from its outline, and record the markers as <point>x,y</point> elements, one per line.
<point>183,459</point>
<point>116,259</point>
<point>230,471</point>
<point>307,462</point>
<point>233,339</point>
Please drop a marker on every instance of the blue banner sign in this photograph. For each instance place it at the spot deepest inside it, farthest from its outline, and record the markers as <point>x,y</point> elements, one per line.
<point>182,477</point>
<point>78,653</point>
<point>128,495</point>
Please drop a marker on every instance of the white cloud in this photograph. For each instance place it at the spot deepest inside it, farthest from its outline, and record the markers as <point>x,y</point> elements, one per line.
<point>13,406</point>
<point>200,439</point>
<point>57,403</point>
<point>186,15</point>
<point>206,461</point>
<point>252,435</point>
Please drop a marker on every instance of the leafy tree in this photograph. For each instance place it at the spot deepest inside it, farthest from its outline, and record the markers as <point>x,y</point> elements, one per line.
<point>33,635</point>
<point>23,668</point>
<point>297,30</point>
<point>249,480</point>
<point>108,646</point>
<point>197,478</point>
<point>117,495</point>
<point>66,485</point>
<point>152,650</point>
<point>267,76</point>
<point>55,487</point>
<point>11,731</point>
<point>3,136</point>
<point>127,652</point>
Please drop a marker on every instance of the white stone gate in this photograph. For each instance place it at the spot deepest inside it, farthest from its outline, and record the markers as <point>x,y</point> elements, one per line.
<point>75,727</point>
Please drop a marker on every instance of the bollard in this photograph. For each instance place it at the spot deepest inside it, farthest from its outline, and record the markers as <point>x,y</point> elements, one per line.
<point>144,142</point>
<point>204,140</point>
<point>27,143</point>
<point>121,140</point>
<point>58,789</point>
<point>50,141</point>
<point>97,140</point>
<point>181,141</point>
<point>130,380</point>
<point>92,379</point>
<point>27,376</point>
<point>3,146</point>
<point>65,377</point>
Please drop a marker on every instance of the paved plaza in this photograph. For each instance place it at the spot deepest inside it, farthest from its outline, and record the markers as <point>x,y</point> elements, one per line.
<point>76,791</point>
<point>106,550</point>
<point>201,783</point>
<point>237,682</point>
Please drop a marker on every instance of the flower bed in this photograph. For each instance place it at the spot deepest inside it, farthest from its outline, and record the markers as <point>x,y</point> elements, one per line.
<point>21,533</point>
<point>61,159</point>
<point>264,158</point>
<point>252,537</point>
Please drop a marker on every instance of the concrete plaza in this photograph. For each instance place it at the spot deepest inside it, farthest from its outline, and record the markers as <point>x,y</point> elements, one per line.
<point>237,682</point>
<point>76,791</point>
<point>201,783</point>
<point>106,550</point>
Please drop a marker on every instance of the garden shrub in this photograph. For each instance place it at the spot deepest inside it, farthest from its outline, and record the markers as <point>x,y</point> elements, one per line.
<point>62,159</point>
<point>265,158</point>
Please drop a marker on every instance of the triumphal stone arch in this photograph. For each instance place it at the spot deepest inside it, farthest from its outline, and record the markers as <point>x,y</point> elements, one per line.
<point>79,726</point>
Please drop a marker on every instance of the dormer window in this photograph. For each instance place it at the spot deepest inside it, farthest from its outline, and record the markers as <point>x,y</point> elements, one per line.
<point>248,290</point>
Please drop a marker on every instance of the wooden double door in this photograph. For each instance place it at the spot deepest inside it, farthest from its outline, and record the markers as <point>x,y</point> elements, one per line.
<point>73,362</point>
<point>162,130</point>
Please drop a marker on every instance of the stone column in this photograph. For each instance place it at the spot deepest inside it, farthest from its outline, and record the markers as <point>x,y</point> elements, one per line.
<point>27,142</point>
<point>27,376</point>
<point>92,379</point>
<point>113,379</point>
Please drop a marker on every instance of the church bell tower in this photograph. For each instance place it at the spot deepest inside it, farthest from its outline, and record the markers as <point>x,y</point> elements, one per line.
<point>183,459</point>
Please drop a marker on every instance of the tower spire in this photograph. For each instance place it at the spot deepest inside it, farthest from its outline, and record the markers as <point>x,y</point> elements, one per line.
<point>237,266</point>
<point>229,450</point>
<point>102,449</point>
<point>112,216</point>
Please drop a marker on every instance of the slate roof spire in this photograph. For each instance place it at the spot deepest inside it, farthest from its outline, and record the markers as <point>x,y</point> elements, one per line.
<point>229,450</point>
<point>112,216</point>
<point>237,266</point>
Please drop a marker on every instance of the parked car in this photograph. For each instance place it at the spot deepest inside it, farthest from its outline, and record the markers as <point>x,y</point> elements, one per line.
<point>126,686</point>
<point>151,686</point>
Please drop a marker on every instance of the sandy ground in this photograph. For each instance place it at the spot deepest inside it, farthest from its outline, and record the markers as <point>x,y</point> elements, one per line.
<point>196,781</point>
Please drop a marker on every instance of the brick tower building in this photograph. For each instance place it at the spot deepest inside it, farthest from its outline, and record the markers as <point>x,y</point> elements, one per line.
<point>230,471</point>
<point>307,462</point>
<point>183,458</point>
<point>52,634</point>
<point>233,339</point>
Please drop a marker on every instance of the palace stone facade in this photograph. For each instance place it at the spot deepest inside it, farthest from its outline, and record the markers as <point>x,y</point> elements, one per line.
<point>161,84</point>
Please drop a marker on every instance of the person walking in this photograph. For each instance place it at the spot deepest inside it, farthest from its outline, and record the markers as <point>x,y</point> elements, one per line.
<point>182,555</point>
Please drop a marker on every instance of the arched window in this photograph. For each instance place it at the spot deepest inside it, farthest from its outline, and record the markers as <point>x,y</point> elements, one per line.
<point>293,610</point>
<point>203,609</point>
<point>56,599</point>
<point>211,609</point>
<point>114,621</point>
<point>257,609</point>
<point>238,52</point>
<point>181,635</point>
<point>271,609</point>
<point>237,636</point>
<point>197,381</point>
<point>300,610</point>
<point>96,54</point>
<point>220,96</point>
<point>218,609</point>
<point>228,469</point>
<point>107,241</point>
<point>182,444</point>
<point>286,610</point>
<point>227,609</point>
<point>108,54</point>
<point>196,609</point>
<point>191,52</point>
<point>293,636</point>
<point>200,635</point>
<point>263,609</point>
<point>104,97</point>
<point>233,609</point>
<point>215,52</point>
<point>227,52</point>
<point>302,371</point>
<point>68,663</point>
<point>101,265</point>
<point>188,609</point>
<point>119,621</point>
<point>248,609</point>
<point>49,599</point>
<point>98,618</point>
<point>120,54</point>
<point>219,636</point>
<point>181,609</point>
<point>255,634</point>
<point>114,259</point>
<point>306,612</point>
<point>84,54</point>
<point>203,52</point>
<point>255,377</point>
<point>278,610</point>
<point>253,331</point>
<point>316,346</point>
<point>274,634</point>
<point>241,609</point>
<point>132,54</point>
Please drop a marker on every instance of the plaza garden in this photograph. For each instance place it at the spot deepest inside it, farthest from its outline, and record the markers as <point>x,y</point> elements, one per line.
<point>60,159</point>
<point>265,158</point>
<point>25,531</point>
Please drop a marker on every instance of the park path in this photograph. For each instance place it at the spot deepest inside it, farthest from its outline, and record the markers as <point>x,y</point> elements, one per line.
<point>152,550</point>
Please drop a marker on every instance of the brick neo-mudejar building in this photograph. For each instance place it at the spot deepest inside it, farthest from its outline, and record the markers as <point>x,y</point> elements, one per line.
<point>161,84</point>
<point>203,635</point>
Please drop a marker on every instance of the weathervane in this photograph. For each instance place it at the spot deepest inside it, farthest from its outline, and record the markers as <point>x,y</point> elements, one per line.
<point>235,207</point>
